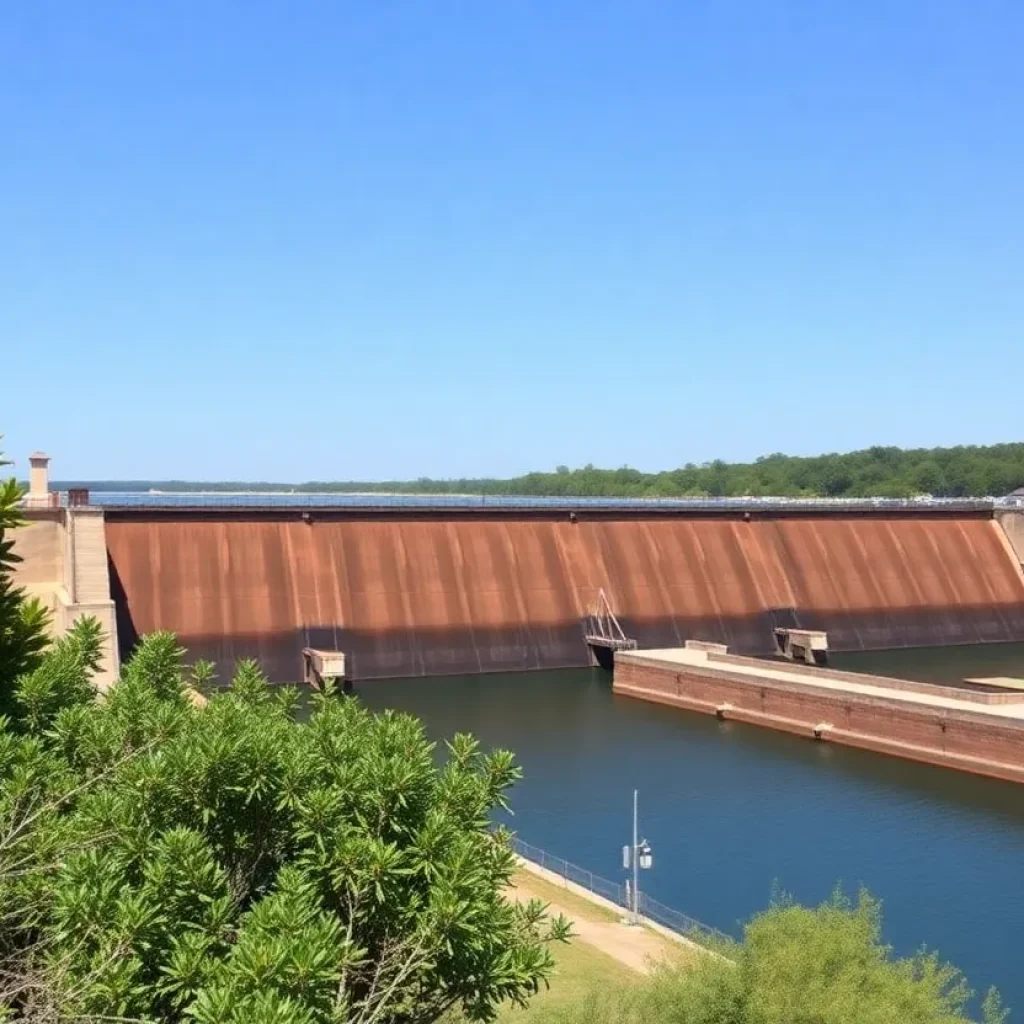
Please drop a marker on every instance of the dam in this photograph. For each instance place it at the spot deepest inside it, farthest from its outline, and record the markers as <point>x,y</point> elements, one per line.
<point>681,595</point>
<point>430,586</point>
<point>430,589</point>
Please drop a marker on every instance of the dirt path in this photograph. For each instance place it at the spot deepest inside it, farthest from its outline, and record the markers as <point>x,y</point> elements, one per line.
<point>635,946</point>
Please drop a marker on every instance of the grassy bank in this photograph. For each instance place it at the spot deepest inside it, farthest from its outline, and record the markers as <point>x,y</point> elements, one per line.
<point>603,962</point>
<point>571,903</point>
<point>581,971</point>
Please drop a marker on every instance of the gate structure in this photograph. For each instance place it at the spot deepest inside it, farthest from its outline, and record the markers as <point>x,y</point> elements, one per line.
<point>603,632</point>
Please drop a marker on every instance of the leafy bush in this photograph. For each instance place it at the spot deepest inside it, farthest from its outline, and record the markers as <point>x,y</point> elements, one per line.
<point>23,622</point>
<point>231,863</point>
<point>796,965</point>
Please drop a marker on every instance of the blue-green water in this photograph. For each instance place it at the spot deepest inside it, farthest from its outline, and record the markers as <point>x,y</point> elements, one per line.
<point>731,809</point>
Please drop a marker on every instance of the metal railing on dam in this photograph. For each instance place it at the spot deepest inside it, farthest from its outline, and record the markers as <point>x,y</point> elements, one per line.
<point>213,500</point>
<point>674,920</point>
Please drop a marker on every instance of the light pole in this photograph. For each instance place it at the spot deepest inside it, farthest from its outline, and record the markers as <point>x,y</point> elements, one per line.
<point>636,857</point>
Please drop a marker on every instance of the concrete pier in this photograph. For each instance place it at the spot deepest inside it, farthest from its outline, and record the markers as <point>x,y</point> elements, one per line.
<point>977,728</point>
<point>321,669</point>
<point>809,645</point>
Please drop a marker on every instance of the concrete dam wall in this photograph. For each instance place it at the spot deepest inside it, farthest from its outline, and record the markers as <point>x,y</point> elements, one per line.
<point>449,592</point>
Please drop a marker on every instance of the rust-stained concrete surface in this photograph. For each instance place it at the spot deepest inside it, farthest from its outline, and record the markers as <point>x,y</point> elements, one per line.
<point>429,594</point>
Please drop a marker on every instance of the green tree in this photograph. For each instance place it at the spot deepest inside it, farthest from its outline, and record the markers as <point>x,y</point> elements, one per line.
<point>231,862</point>
<point>873,472</point>
<point>800,965</point>
<point>927,477</point>
<point>23,622</point>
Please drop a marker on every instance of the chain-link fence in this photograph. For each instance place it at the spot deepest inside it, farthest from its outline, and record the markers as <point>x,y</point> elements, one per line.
<point>616,893</point>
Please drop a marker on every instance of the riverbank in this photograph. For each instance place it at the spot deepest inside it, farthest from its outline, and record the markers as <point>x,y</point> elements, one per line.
<point>605,954</point>
<point>602,923</point>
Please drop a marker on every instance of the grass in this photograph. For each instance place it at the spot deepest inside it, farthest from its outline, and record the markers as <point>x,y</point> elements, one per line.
<point>574,904</point>
<point>586,983</point>
<point>583,973</point>
<point>577,906</point>
<point>580,970</point>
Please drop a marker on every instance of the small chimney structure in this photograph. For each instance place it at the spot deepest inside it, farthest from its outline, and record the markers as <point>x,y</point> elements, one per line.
<point>39,478</point>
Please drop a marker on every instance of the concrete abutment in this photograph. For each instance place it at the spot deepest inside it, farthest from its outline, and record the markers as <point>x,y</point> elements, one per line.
<point>1011,523</point>
<point>63,555</point>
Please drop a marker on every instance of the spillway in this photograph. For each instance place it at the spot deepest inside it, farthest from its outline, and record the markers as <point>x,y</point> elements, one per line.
<point>420,592</point>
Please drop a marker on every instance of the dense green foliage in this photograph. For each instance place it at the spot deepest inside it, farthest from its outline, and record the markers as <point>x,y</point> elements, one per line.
<point>795,966</point>
<point>227,862</point>
<point>22,621</point>
<point>875,472</point>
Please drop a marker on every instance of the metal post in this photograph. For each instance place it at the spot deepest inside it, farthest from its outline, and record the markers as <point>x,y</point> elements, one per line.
<point>636,866</point>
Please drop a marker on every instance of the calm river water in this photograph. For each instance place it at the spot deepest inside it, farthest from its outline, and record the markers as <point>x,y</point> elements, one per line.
<point>731,809</point>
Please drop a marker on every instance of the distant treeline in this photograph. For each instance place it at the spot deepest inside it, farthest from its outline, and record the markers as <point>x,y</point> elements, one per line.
<point>970,471</point>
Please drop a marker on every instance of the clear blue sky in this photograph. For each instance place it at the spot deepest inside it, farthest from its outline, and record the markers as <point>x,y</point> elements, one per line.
<point>370,239</point>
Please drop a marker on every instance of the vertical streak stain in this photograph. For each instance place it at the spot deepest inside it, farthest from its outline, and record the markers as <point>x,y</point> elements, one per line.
<point>424,596</point>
